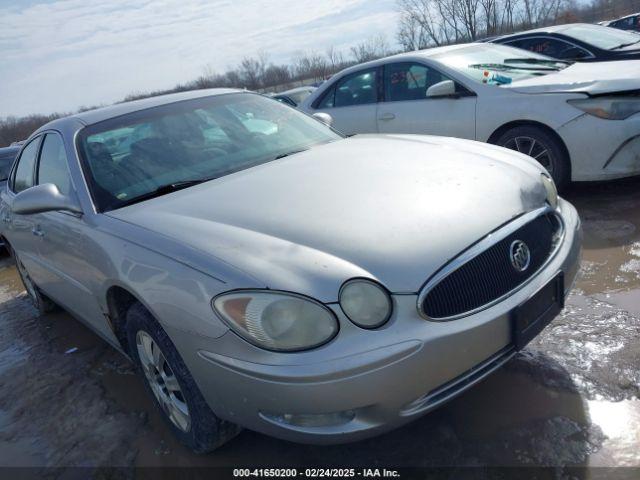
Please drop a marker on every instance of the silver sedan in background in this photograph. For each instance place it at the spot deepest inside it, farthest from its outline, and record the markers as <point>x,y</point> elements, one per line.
<point>263,271</point>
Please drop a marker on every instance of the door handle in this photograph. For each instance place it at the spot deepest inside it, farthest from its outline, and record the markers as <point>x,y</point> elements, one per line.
<point>387,116</point>
<point>37,232</point>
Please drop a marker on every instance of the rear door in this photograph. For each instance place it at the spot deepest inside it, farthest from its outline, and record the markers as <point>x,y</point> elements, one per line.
<point>406,109</point>
<point>20,230</point>
<point>351,101</point>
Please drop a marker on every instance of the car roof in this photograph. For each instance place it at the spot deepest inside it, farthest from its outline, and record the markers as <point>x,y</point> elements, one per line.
<point>90,117</point>
<point>626,16</point>
<point>549,29</point>
<point>8,153</point>
<point>426,53</point>
<point>296,90</point>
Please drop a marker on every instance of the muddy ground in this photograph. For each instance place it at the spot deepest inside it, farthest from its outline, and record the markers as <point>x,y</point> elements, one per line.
<point>571,398</point>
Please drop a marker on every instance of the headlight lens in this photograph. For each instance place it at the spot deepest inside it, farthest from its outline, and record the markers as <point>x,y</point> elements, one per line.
<point>277,320</point>
<point>610,108</point>
<point>552,192</point>
<point>366,303</point>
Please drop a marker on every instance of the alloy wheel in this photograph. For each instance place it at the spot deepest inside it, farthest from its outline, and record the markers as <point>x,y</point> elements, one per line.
<point>534,148</point>
<point>163,382</point>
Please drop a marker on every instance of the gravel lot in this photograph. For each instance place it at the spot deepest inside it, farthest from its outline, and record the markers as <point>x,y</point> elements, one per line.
<point>571,398</point>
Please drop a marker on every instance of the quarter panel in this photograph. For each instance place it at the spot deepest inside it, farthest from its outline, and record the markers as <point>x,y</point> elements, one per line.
<point>496,109</point>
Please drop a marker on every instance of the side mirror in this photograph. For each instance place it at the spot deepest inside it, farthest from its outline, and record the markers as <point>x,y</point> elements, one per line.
<point>43,198</point>
<point>447,88</point>
<point>324,118</point>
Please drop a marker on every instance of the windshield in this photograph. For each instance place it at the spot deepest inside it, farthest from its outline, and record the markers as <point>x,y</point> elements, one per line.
<point>155,151</point>
<point>498,64</point>
<point>602,37</point>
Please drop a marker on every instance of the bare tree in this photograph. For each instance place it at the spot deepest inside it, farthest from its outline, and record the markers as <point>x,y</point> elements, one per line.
<point>417,27</point>
<point>335,59</point>
<point>370,49</point>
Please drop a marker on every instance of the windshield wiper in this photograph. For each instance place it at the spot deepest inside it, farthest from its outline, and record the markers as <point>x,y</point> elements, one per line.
<point>623,45</point>
<point>163,190</point>
<point>293,152</point>
<point>502,66</point>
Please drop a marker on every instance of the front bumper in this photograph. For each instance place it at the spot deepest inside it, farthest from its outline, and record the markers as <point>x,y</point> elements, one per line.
<point>602,149</point>
<point>384,378</point>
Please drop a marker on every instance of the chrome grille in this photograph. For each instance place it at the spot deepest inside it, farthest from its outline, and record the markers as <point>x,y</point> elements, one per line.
<point>490,274</point>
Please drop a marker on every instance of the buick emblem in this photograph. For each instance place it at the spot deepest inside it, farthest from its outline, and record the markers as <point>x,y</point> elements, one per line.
<point>520,255</point>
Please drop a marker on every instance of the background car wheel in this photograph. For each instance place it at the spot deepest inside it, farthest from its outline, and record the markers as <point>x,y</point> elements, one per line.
<point>543,147</point>
<point>42,303</point>
<point>172,387</point>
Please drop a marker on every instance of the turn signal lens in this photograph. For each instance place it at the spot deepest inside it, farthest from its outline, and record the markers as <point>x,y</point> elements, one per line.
<point>552,191</point>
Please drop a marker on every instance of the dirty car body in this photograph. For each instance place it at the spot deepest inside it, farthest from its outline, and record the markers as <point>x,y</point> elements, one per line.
<point>362,236</point>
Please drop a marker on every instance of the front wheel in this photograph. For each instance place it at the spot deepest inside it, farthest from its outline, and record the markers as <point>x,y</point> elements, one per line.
<point>172,387</point>
<point>542,147</point>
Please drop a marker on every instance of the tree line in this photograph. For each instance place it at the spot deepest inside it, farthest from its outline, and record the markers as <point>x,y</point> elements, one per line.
<point>432,23</point>
<point>422,24</point>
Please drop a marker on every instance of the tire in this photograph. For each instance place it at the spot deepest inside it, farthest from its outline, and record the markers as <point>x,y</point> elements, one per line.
<point>40,301</point>
<point>543,147</point>
<point>199,429</point>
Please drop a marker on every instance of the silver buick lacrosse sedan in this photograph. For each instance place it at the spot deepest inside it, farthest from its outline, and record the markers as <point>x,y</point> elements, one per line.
<point>263,271</point>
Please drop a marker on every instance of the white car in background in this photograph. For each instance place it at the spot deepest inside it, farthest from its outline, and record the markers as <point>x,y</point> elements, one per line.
<point>580,121</point>
<point>295,96</point>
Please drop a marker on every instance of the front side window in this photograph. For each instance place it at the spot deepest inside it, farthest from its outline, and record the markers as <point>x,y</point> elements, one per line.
<point>23,177</point>
<point>151,152</point>
<point>409,81</point>
<point>359,88</point>
<point>52,167</point>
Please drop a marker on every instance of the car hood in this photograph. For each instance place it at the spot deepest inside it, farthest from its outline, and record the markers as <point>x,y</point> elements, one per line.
<point>593,78</point>
<point>391,208</point>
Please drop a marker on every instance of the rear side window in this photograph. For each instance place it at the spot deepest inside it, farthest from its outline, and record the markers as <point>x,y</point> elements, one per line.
<point>52,167</point>
<point>23,177</point>
<point>359,88</point>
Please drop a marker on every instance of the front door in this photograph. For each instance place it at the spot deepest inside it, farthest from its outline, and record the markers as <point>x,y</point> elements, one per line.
<point>69,257</point>
<point>407,109</point>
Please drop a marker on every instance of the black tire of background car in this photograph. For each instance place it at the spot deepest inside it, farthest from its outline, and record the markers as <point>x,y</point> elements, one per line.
<point>40,301</point>
<point>207,432</point>
<point>561,166</point>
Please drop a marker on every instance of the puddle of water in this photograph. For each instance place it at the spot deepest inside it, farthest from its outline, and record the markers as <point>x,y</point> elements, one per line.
<point>620,423</point>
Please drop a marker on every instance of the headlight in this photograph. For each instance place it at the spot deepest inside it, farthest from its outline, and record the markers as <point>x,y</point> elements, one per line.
<point>552,192</point>
<point>610,108</point>
<point>366,303</point>
<point>277,320</point>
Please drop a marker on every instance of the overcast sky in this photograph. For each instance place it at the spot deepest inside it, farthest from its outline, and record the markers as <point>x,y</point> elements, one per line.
<point>58,55</point>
